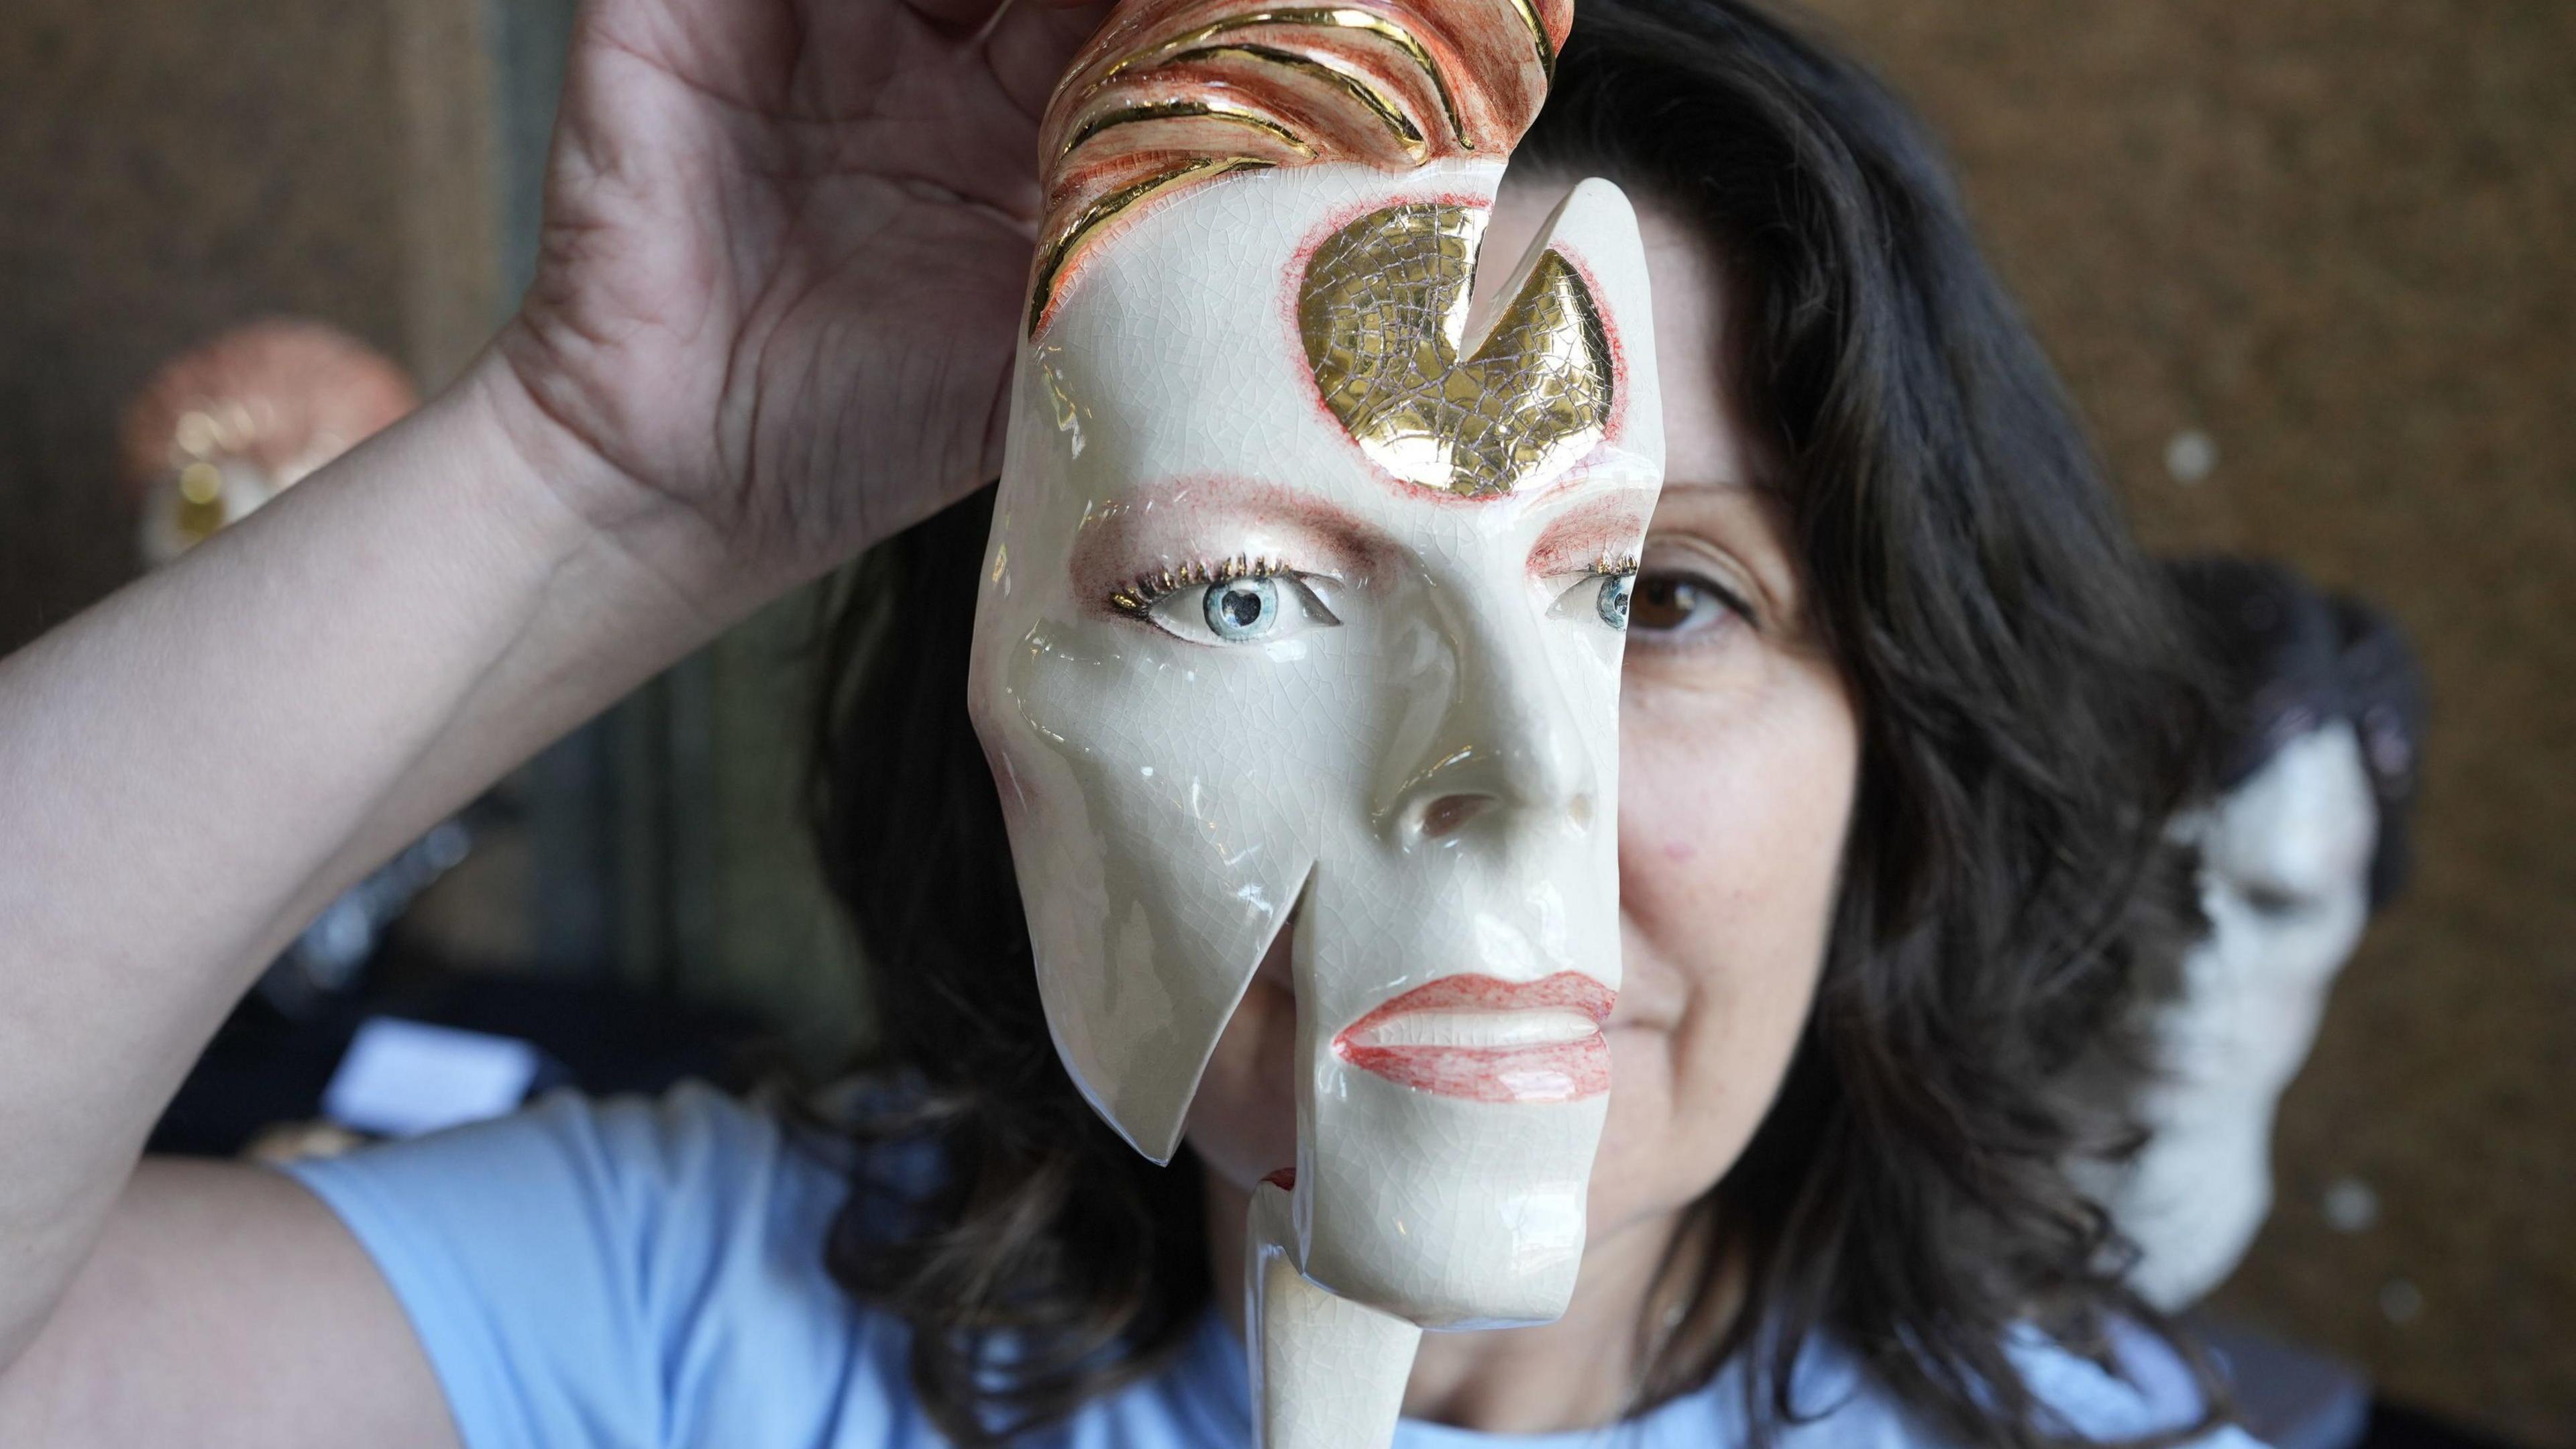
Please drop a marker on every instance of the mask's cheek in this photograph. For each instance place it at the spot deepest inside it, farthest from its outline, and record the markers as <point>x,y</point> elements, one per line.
<point>1167,818</point>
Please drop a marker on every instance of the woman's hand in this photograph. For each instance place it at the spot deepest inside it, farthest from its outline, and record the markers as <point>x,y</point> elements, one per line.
<point>785,249</point>
<point>784,252</point>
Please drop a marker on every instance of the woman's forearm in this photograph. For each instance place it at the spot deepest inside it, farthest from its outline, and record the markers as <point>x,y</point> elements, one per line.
<point>192,767</point>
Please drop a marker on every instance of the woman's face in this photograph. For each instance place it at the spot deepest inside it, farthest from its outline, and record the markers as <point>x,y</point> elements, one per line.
<point>1738,755</point>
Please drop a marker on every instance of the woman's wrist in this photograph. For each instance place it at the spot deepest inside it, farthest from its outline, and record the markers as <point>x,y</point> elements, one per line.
<point>598,580</point>
<point>616,499</point>
<point>556,488</point>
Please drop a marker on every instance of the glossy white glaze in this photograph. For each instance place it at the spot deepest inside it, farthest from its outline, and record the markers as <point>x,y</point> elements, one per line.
<point>1418,765</point>
<point>1327,1373</point>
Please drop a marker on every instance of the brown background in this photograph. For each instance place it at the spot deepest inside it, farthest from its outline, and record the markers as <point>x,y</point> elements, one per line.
<point>2330,238</point>
<point>2336,240</point>
<point>168,169</point>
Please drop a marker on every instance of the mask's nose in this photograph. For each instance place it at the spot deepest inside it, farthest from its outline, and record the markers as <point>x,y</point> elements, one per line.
<point>1507,750</point>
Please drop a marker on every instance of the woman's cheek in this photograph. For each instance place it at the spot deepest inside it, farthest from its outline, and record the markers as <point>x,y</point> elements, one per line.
<point>1243,1122</point>
<point>1733,806</point>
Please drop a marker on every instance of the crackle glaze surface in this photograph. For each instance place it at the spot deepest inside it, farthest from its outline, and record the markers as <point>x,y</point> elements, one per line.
<point>1303,611</point>
<point>1418,759</point>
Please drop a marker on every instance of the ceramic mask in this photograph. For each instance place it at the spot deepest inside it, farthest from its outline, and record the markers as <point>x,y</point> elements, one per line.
<point>1303,611</point>
<point>2285,884</point>
<point>194,502</point>
<point>228,425</point>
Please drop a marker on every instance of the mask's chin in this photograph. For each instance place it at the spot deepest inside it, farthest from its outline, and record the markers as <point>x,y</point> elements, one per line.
<point>1450,1214</point>
<point>1444,1210</point>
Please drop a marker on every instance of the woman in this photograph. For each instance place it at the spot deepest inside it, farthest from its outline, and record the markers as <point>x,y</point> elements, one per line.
<point>1898,709</point>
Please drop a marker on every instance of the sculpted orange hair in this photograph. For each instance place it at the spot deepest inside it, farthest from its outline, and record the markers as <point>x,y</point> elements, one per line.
<point>1171,93</point>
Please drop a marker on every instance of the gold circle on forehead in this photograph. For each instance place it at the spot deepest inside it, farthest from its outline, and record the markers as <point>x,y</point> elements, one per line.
<point>1383,313</point>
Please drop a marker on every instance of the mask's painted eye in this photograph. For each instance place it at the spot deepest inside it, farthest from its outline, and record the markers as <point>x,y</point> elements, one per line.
<point>1601,595</point>
<point>1241,609</point>
<point>1231,603</point>
<point>1616,591</point>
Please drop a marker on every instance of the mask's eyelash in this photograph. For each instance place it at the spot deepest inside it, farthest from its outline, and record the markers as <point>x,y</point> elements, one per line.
<point>1613,565</point>
<point>1139,596</point>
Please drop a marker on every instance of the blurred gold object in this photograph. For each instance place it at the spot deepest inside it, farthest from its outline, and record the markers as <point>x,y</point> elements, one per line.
<point>195,434</point>
<point>201,482</point>
<point>228,425</point>
<point>201,503</point>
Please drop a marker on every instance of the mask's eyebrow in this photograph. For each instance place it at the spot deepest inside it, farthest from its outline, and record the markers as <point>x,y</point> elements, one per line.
<point>1609,526</point>
<point>1208,520</point>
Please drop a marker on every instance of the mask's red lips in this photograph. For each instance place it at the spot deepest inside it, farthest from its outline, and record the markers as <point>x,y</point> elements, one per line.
<point>1489,1040</point>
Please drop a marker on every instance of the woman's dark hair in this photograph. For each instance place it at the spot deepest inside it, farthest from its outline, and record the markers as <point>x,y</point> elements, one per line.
<point>2028,726</point>
<point>2285,660</point>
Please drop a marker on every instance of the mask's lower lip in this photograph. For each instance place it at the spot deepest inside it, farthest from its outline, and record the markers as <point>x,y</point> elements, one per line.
<point>1489,1040</point>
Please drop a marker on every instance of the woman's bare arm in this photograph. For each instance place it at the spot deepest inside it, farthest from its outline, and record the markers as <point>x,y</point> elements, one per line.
<point>773,321</point>
<point>189,767</point>
<point>224,1307</point>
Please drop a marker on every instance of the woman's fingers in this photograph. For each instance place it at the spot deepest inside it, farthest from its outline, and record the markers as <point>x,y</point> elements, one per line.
<point>1033,41</point>
<point>960,15</point>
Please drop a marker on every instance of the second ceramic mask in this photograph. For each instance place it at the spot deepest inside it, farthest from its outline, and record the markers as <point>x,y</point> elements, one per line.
<point>1303,612</point>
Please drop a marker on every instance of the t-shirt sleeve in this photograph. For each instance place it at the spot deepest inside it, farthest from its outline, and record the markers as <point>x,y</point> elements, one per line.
<point>619,1273</point>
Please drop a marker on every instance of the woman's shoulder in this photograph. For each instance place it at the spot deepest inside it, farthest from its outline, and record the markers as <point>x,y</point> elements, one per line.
<point>616,1270</point>
<point>692,1165</point>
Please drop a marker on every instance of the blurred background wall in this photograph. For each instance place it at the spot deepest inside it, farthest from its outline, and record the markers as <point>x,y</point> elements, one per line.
<point>169,169</point>
<point>2307,270</point>
<point>2303,266</point>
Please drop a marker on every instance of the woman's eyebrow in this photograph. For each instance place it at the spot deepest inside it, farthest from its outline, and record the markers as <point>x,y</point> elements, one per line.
<point>1763,486</point>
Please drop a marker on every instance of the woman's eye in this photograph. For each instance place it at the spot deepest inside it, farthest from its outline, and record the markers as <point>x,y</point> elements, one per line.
<point>1249,609</point>
<point>1675,604</point>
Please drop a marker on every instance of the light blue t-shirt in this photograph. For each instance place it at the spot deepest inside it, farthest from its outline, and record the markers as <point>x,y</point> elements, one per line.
<point>633,1273</point>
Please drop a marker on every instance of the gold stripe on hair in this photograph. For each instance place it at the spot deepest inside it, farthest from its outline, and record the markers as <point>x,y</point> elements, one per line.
<point>1352,84</point>
<point>1343,19</point>
<point>1213,110</point>
<point>1058,251</point>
